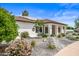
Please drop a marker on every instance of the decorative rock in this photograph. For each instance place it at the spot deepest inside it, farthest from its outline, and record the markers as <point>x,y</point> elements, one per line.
<point>19,48</point>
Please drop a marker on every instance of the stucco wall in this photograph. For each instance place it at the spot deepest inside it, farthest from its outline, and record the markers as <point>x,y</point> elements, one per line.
<point>23,26</point>
<point>26,27</point>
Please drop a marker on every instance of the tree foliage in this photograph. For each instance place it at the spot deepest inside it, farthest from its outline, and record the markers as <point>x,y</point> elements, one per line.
<point>8,27</point>
<point>25,13</point>
<point>38,24</point>
<point>70,28</point>
<point>77,23</point>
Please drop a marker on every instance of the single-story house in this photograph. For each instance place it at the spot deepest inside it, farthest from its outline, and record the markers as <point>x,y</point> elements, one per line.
<point>26,23</point>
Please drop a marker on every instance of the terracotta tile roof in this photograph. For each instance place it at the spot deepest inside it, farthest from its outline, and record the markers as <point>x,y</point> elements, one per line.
<point>23,19</point>
<point>26,19</point>
<point>52,21</point>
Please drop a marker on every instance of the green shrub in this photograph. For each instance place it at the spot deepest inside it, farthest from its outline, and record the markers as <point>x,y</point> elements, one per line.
<point>24,34</point>
<point>8,26</point>
<point>61,35</point>
<point>52,35</point>
<point>43,35</point>
<point>50,46</point>
<point>33,43</point>
<point>77,38</point>
<point>74,34</point>
<point>78,34</point>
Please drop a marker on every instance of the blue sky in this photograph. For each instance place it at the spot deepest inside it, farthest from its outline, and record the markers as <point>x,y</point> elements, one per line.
<point>65,13</point>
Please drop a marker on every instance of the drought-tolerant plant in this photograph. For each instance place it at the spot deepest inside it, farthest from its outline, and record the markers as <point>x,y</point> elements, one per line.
<point>73,36</point>
<point>44,36</point>
<point>33,43</point>
<point>61,35</point>
<point>77,37</point>
<point>8,27</point>
<point>24,35</point>
<point>50,46</point>
<point>52,35</point>
<point>77,22</point>
<point>19,48</point>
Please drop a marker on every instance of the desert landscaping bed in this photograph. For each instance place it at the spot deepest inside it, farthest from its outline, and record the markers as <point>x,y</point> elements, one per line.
<point>41,49</point>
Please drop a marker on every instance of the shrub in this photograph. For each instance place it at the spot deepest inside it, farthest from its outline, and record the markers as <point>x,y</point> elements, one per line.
<point>33,43</point>
<point>73,38</point>
<point>52,35</point>
<point>43,35</point>
<point>39,34</point>
<point>61,35</point>
<point>78,34</point>
<point>77,38</point>
<point>24,34</point>
<point>73,33</point>
<point>8,27</point>
<point>50,46</point>
<point>19,48</point>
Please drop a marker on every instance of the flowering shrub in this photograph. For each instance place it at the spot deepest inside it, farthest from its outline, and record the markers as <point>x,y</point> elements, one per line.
<point>19,48</point>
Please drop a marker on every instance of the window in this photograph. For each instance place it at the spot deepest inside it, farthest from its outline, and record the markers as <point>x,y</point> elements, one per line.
<point>46,29</point>
<point>59,30</point>
<point>38,30</point>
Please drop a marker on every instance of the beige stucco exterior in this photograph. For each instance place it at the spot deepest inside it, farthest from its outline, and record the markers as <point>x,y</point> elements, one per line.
<point>25,26</point>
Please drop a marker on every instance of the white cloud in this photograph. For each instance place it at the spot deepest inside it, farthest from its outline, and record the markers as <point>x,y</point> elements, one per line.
<point>58,13</point>
<point>68,5</point>
<point>71,13</point>
<point>67,17</point>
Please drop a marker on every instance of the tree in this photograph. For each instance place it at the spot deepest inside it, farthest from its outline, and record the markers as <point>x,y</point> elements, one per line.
<point>8,27</point>
<point>77,23</point>
<point>68,27</point>
<point>25,13</point>
<point>38,24</point>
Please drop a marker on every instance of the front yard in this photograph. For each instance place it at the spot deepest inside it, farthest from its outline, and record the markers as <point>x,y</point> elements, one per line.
<point>41,49</point>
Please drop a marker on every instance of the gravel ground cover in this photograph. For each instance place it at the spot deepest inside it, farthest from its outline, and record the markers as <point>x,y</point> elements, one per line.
<point>41,46</point>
